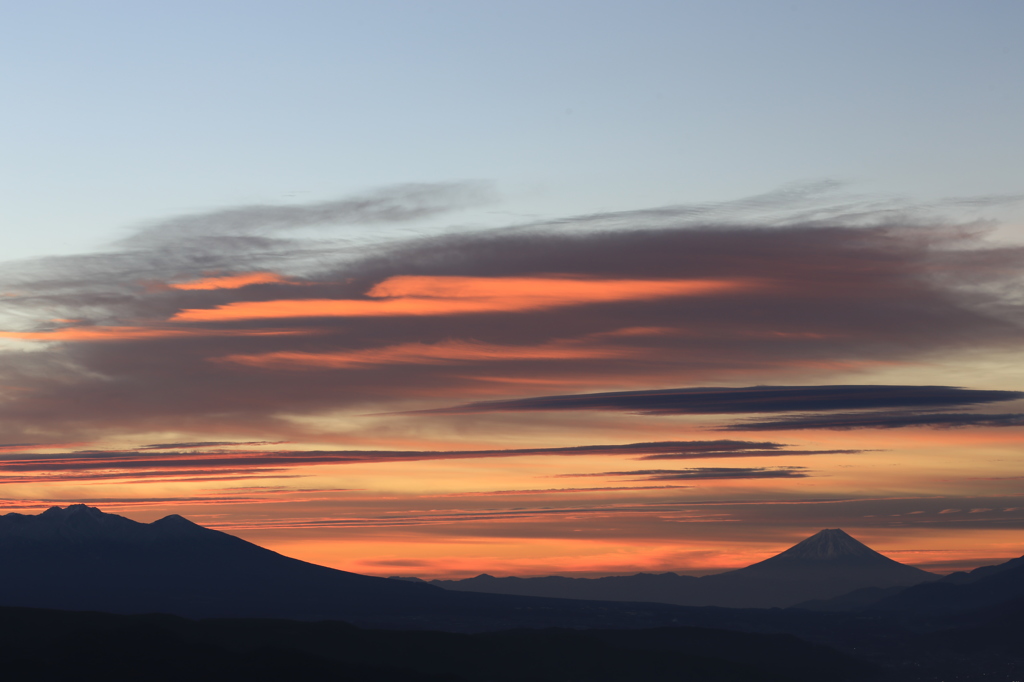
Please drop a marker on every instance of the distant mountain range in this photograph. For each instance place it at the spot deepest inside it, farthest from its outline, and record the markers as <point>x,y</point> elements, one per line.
<point>825,565</point>
<point>983,589</point>
<point>966,626</point>
<point>80,558</point>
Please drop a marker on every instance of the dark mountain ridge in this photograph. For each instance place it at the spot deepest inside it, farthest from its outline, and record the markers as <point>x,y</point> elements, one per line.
<point>981,589</point>
<point>79,558</point>
<point>827,564</point>
<point>80,555</point>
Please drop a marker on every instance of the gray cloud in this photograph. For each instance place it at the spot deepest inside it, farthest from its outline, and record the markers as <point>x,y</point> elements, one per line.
<point>112,286</point>
<point>146,463</point>
<point>400,203</point>
<point>701,473</point>
<point>750,453</point>
<point>717,400</point>
<point>878,420</point>
<point>854,283</point>
<point>204,444</point>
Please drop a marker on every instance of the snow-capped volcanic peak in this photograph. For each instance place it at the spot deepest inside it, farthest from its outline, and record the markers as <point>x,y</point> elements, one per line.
<point>831,543</point>
<point>832,550</point>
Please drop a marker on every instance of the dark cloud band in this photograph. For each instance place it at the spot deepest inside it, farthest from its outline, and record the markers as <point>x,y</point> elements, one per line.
<point>106,465</point>
<point>754,399</point>
<point>878,420</point>
<point>701,473</point>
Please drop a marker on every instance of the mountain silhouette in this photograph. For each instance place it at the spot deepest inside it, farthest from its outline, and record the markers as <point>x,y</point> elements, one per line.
<point>80,558</point>
<point>831,544</point>
<point>827,564</point>
<point>981,589</point>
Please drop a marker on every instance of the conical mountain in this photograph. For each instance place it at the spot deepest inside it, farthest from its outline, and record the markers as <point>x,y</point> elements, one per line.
<point>827,564</point>
<point>828,545</point>
<point>834,549</point>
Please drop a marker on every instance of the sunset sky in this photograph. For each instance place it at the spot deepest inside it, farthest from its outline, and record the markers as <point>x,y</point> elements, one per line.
<point>584,288</point>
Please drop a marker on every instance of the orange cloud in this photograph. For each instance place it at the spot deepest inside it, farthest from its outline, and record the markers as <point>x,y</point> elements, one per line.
<point>426,354</point>
<point>231,281</point>
<point>426,295</point>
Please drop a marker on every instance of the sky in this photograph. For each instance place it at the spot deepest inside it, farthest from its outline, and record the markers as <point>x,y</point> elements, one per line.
<point>577,288</point>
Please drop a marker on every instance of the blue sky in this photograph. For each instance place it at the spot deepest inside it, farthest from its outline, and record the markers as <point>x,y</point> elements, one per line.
<point>119,113</point>
<point>710,196</point>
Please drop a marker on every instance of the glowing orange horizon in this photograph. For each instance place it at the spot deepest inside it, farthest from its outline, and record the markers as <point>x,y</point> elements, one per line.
<point>409,295</point>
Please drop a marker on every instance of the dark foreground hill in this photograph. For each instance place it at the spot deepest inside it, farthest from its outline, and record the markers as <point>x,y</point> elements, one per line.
<point>48,645</point>
<point>55,645</point>
<point>825,565</point>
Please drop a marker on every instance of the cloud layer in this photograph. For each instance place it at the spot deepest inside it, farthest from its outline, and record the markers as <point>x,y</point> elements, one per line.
<point>172,461</point>
<point>231,322</point>
<point>306,369</point>
<point>763,399</point>
<point>702,473</point>
<point>879,420</point>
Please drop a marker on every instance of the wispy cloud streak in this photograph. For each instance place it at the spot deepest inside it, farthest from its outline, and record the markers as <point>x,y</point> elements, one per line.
<point>701,473</point>
<point>879,420</point>
<point>156,462</point>
<point>718,400</point>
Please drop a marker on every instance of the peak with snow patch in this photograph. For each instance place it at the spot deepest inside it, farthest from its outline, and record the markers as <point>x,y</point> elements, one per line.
<point>833,556</point>
<point>829,544</point>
